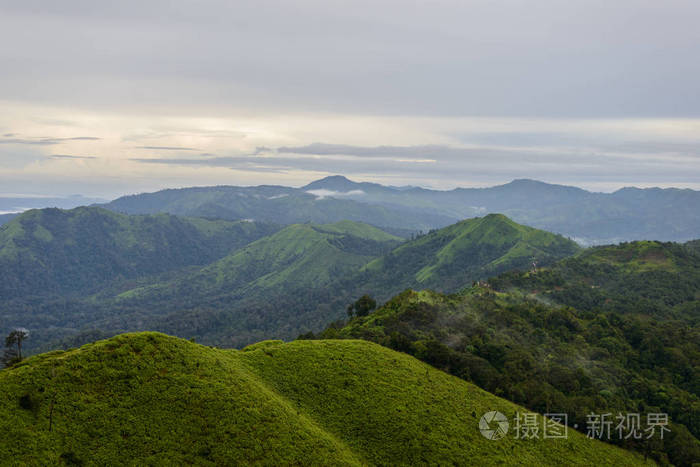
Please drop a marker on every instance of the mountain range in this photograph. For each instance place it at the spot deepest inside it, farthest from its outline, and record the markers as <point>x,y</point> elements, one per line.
<point>590,218</point>
<point>68,273</point>
<point>521,312</point>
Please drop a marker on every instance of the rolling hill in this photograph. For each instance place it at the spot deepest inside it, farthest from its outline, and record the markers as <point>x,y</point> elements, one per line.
<point>302,277</point>
<point>295,280</point>
<point>613,329</point>
<point>451,258</point>
<point>54,251</point>
<point>278,286</point>
<point>152,399</point>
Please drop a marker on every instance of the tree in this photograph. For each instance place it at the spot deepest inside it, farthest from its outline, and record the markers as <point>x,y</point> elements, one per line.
<point>364,305</point>
<point>13,346</point>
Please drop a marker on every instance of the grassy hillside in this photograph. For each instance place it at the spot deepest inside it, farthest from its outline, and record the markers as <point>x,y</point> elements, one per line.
<point>298,279</point>
<point>452,257</point>
<point>153,399</point>
<point>613,329</point>
<point>274,287</point>
<point>300,255</point>
<point>53,251</point>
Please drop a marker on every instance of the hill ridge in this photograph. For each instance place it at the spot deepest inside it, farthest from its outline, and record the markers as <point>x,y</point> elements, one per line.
<point>340,402</point>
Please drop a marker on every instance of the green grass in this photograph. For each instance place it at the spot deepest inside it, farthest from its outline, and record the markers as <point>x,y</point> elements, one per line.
<point>450,258</point>
<point>299,254</point>
<point>151,399</point>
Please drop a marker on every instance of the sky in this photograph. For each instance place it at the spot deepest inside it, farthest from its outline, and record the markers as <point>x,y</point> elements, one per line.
<point>110,98</point>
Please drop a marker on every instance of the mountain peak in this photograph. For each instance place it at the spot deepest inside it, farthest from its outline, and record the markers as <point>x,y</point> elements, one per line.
<point>333,182</point>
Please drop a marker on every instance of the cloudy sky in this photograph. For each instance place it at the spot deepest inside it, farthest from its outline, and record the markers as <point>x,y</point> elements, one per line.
<point>106,98</point>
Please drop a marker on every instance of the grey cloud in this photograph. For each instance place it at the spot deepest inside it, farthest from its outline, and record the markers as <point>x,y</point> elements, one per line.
<point>546,57</point>
<point>34,142</point>
<point>324,149</point>
<point>70,156</point>
<point>485,164</point>
<point>167,148</point>
<point>45,141</point>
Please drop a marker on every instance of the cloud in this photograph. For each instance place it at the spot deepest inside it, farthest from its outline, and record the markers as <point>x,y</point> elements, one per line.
<point>325,149</point>
<point>70,156</point>
<point>482,164</point>
<point>379,57</point>
<point>167,148</point>
<point>46,141</point>
<point>321,193</point>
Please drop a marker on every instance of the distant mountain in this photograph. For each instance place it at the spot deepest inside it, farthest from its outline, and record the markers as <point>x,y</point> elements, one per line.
<point>627,214</point>
<point>590,218</point>
<point>613,329</point>
<point>275,204</point>
<point>156,400</point>
<point>53,251</point>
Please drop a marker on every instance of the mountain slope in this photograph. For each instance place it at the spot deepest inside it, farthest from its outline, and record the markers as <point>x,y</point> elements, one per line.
<point>297,280</point>
<point>5,218</point>
<point>149,398</point>
<point>452,257</point>
<point>52,251</point>
<point>307,255</point>
<point>302,277</point>
<point>639,278</point>
<point>278,286</point>
<point>612,330</point>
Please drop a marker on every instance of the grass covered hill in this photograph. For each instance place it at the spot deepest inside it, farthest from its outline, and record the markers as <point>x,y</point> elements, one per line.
<point>54,251</point>
<point>450,258</point>
<point>613,329</point>
<point>292,281</point>
<point>277,286</point>
<point>152,399</point>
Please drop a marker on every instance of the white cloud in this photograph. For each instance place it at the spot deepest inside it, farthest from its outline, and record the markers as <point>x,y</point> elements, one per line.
<point>321,193</point>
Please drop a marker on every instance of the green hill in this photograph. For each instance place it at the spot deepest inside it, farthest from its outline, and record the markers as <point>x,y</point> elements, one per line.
<point>152,399</point>
<point>295,280</point>
<point>614,329</point>
<point>452,257</point>
<point>274,287</point>
<point>54,251</point>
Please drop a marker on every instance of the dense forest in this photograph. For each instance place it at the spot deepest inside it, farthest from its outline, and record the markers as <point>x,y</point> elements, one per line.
<point>90,272</point>
<point>613,329</point>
